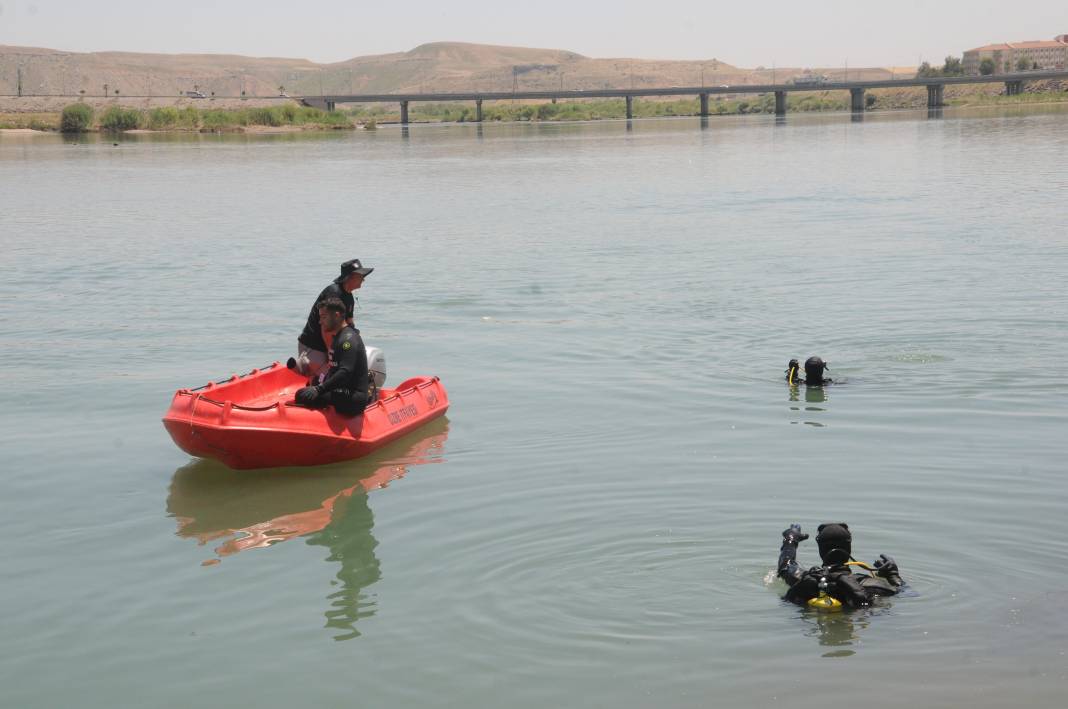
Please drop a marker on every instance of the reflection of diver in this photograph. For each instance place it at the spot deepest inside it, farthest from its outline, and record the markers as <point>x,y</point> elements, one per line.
<point>330,503</point>
<point>837,630</point>
<point>814,367</point>
<point>834,585</point>
<point>813,395</point>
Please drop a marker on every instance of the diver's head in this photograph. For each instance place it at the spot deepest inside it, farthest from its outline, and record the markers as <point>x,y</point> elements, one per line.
<point>791,371</point>
<point>835,543</point>
<point>814,367</point>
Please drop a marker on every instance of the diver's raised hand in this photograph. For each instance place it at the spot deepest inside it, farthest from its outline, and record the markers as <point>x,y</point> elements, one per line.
<point>793,535</point>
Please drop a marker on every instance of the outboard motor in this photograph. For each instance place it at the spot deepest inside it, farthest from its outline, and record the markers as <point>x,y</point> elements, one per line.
<point>376,366</point>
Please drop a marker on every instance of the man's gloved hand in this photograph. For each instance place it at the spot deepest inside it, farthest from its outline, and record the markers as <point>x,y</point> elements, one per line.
<point>793,535</point>
<point>306,396</point>
<point>886,567</point>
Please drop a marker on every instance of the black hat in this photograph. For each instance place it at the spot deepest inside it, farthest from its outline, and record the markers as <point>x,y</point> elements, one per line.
<point>354,266</point>
<point>835,542</point>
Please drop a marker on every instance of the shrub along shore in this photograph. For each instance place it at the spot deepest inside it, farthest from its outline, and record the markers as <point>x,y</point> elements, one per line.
<point>797,102</point>
<point>80,117</point>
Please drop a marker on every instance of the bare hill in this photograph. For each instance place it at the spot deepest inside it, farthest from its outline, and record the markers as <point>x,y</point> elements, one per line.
<point>439,66</point>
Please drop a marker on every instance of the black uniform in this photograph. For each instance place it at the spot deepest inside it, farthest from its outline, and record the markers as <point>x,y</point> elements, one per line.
<point>312,336</point>
<point>853,590</point>
<point>814,367</point>
<point>345,384</point>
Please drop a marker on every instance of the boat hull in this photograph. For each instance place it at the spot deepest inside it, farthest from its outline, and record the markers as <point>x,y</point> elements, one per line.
<point>251,422</point>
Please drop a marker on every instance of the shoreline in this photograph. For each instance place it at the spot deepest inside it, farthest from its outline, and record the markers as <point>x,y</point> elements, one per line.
<point>301,120</point>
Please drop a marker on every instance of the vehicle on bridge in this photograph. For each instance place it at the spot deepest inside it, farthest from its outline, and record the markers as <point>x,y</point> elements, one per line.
<point>809,79</point>
<point>195,94</point>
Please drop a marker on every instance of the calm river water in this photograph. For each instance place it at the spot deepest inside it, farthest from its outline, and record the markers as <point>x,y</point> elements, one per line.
<point>611,308</point>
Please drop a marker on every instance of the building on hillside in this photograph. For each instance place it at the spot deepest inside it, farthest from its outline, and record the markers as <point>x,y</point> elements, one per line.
<point>1052,54</point>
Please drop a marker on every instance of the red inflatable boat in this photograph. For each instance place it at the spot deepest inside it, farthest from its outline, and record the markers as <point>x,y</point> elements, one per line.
<point>251,421</point>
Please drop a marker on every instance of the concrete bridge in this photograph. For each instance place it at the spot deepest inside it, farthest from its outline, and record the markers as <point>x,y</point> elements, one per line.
<point>935,91</point>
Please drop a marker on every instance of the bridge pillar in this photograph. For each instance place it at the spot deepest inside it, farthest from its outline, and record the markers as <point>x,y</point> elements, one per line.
<point>630,107</point>
<point>330,106</point>
<point>478,110</point>
<point>404,113</point>
<point>856,103</point>
<point>935,94</point>
<point>780,103</point>
<point>704,105</point>
<point>1013,88</point>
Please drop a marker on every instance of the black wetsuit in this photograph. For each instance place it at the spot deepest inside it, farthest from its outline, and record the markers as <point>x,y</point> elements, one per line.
<point>312,336</point>
<point>813,374</point>
<point>853,590</point>
<point>345,385</point>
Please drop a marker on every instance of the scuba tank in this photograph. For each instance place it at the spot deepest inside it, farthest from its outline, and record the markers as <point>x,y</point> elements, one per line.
<point>824,602</point>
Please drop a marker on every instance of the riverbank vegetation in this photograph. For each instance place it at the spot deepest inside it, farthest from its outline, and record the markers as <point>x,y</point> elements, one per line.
<point>30,121</point>
<point>79,118</point>
<point>796,102</point>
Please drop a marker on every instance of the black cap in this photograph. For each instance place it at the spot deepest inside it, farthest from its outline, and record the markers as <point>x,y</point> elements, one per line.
<point>354,266</point>
<point>835,542</point>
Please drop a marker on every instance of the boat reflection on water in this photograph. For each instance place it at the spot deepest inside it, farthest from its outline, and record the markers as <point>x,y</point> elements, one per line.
<point>327,504</point>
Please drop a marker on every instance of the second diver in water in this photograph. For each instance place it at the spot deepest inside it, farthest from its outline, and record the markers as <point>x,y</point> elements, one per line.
<point>834,585</point>
<point>814,367</point>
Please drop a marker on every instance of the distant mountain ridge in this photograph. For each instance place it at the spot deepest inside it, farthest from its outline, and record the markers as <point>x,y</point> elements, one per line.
<point>434,67</point>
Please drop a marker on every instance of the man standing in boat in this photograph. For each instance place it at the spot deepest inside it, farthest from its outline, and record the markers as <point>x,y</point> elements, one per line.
<point>312,344</point>
<point>344,385</point>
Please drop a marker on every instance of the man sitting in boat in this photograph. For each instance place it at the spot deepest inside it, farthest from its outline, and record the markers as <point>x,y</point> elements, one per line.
<point>834,585</point>
<point>344,385</point>
<point>814,367</point>
<point>312,345</point>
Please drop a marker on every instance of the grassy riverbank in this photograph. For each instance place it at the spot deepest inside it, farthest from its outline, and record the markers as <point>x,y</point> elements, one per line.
<point>597,109</point>
<point>31,121</point>
<point>293,117</point>
<point>167,118</point>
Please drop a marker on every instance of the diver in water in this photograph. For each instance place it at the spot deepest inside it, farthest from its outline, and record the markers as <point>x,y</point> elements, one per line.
<point>834,585</point>
<point>814,367</point>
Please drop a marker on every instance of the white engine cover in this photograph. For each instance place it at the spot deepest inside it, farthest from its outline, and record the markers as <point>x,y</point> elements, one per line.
<point>376,366</point>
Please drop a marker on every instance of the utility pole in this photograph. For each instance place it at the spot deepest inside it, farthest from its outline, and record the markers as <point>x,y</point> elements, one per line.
<point>20,80</point>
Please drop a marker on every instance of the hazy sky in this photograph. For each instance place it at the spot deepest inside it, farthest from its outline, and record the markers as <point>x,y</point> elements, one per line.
<point>817,33</point>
